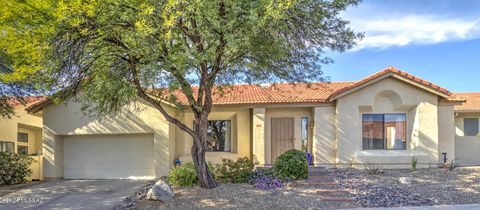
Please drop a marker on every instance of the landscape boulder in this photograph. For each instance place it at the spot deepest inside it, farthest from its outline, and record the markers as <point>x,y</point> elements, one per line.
<point>405,180</point>
<point>161,191</point>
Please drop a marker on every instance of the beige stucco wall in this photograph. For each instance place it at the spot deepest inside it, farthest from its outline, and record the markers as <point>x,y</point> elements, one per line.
<point>467,148</point>
<point>446,132</point>
<point>297,114</point>
<point>241,129</point>
<point>67,119</point>
<point>324,144</point>
<point>388,96</point>
<point>23,122</point>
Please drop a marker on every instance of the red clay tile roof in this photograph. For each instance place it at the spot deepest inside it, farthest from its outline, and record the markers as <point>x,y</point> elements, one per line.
<point>275,93</point>
<point>393,71</point>
<point>472,103</point>
<point>322,92</point>
<point>29,100</point>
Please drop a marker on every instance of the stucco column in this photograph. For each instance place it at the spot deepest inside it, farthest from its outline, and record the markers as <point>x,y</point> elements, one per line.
<point>162,148</point>
<point>324,136</point>
<point>258,129</point>
<point>52,152</point>
<point>446,132</point>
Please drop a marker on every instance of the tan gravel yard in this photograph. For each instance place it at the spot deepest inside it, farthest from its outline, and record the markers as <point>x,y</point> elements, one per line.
<point>434,186</point>
<point>244,196</point>
<point>428,187</point>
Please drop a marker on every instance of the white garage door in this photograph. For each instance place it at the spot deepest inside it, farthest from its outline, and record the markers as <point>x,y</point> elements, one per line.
<point>108,157</point>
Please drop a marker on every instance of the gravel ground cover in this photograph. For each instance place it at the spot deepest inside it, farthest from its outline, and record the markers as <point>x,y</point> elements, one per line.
<point>428,187</point>
<point>245,196</point>
<point>434,186</point>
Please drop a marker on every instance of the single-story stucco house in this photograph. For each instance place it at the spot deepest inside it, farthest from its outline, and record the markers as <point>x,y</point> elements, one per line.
<point>387,118</point>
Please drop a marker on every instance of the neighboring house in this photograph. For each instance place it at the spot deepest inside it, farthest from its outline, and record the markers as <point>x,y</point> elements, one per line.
<point>467,139</point>
<point>22,133</point>
<point>387,118</point>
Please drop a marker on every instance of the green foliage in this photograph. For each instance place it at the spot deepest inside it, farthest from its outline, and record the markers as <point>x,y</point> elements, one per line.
<point>291,165</point>
<point>453,165</point>
<point>185,175</point>
<point>106,47</point>
<point>414,163</point>
<point>230,171</point>
<point>14,168</point>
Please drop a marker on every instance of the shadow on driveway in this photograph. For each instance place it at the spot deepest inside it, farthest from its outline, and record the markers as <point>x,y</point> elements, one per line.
<point>71,194</point>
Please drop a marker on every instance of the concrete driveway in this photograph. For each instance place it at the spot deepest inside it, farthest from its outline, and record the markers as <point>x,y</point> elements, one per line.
<point>71,194</point>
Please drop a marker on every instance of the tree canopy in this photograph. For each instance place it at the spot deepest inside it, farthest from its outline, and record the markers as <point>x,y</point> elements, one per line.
<point>117,51</point>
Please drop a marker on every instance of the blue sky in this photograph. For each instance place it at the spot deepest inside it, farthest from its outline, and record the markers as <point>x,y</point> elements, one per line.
<point>437,40</point>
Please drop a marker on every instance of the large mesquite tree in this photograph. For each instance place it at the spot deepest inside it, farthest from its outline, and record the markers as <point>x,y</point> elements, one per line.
<point>115,52</point>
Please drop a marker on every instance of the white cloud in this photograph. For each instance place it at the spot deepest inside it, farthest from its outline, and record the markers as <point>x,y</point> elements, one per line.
<point>405,30</point>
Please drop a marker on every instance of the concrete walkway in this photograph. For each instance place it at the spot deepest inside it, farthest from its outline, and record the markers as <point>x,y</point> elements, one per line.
<point>441,207</point>
<point>71,194</point>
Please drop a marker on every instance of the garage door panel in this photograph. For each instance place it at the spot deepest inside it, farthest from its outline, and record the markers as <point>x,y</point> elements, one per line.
<point>109,157</point>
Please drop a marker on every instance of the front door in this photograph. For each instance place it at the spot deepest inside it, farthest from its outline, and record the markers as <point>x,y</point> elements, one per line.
<point>282,136</point>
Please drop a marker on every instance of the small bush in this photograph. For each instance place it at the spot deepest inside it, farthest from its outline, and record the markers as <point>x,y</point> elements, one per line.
<point>291,165</point>
<point>373,168</point>
<point>453,164</point>
<point>230,171</point>
<point>14,168</point>
<point>268,183</point>
<point>185,175</point>
<point>414,163</point>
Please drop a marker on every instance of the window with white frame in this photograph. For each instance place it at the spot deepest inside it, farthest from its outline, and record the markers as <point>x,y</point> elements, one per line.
<point>304,132</point>
<point>470,126</point>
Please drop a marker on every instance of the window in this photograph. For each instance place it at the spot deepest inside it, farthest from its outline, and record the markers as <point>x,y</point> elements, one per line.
<point>470,126</point>
<point>304,124</point>
<point>22,149</point>
<point>22,137</point>
<point>384,131</point>
<point>219,136</point>
<point>6,146</point>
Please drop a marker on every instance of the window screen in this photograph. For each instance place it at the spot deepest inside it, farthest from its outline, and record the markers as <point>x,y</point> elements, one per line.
<point>470,126</point>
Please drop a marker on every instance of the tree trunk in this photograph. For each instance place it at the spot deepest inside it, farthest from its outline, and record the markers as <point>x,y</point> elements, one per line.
<point>198,154</point>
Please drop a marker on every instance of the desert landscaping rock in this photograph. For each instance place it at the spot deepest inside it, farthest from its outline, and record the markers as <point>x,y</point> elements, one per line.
<point>161,191</point>
<point>405,180</point>
<point>131,201</point>
<point>427,187</point>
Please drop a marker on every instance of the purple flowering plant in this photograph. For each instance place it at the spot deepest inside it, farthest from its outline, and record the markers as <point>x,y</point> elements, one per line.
<point>268,183</point>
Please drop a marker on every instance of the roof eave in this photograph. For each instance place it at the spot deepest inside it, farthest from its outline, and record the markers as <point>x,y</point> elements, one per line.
<point>384,76</point>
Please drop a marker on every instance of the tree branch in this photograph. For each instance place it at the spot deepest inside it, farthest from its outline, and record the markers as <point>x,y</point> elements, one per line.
<point>142,94</point>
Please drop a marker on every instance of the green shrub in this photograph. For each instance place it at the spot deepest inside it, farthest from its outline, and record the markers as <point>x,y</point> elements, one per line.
<point>230,171</point>
<point>184,175</point>
<point>414,163</point>
<point>14,168</point>
<point>291,165</point>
